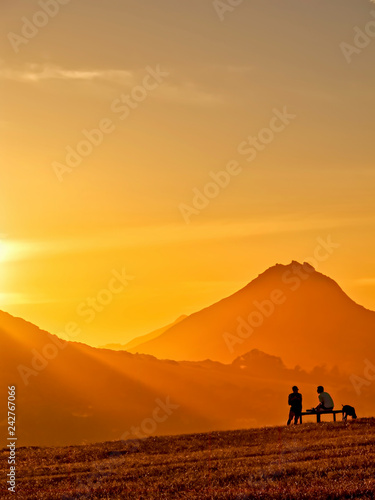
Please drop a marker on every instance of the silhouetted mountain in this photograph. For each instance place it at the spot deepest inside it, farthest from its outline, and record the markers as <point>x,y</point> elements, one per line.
<point>290,311</point>
<point>133,344</point>
<point>68,392</point>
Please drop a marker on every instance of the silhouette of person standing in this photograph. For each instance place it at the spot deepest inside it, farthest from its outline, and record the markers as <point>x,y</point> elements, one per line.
<point>295,403</point>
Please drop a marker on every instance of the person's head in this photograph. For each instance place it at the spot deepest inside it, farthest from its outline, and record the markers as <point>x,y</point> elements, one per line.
<point>295,388</point>
<point>320,389</point>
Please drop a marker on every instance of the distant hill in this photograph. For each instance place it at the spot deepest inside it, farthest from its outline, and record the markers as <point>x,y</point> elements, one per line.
<point>70,393</point>
<point>133,344</point>
<point>289,311</point>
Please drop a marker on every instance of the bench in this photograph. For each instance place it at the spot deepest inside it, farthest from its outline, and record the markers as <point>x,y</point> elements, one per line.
<point>318,414</point>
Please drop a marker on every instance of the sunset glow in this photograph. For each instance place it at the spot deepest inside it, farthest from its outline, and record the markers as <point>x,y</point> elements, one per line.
<point>187,241</point>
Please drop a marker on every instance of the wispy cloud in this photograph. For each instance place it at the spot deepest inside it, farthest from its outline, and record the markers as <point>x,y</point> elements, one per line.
<point>14,298</point>
<point>39,72</point>
<point>180,91</point>
<point>189,93</point>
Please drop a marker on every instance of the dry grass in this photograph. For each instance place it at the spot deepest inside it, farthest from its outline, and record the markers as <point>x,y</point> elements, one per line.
<point>330,460</point>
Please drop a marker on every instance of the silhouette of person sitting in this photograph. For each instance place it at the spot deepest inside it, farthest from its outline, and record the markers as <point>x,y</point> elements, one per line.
<point>325,401</point>
<point>295,403</point>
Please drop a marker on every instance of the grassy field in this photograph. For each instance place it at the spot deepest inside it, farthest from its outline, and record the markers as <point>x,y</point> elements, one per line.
<point>328,460</point>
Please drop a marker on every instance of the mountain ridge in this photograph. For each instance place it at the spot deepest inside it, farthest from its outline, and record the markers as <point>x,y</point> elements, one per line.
<point>142,338</point>
<point>303,289</point>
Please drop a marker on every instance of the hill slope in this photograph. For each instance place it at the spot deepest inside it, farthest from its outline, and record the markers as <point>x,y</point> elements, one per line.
<point>322,461</point>
<point>289,311</point>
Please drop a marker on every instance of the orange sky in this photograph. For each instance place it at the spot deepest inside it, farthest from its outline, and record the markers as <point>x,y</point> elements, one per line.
<point>199,86</point>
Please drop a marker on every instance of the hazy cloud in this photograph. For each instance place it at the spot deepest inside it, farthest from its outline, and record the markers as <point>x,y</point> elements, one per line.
<point>16,250</point>
<point>366,282</point>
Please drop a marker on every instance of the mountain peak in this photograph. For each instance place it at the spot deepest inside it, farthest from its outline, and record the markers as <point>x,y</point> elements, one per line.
<point>279,270</point>
<point>293,266</point>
